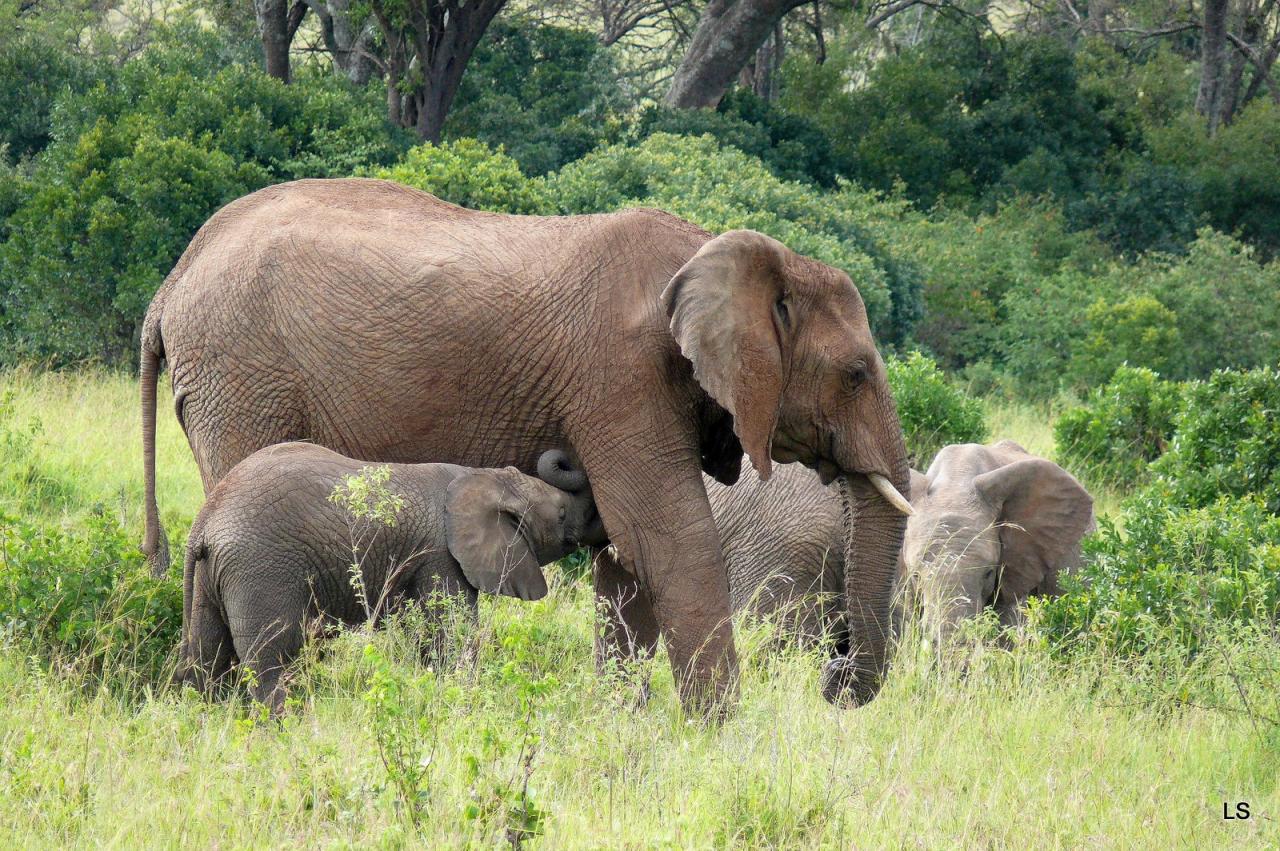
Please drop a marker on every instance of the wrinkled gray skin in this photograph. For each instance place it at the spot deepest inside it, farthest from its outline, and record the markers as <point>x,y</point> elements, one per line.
<point>269,553</point>
<point>994,526</point>
<point>388,325</point>
<point>783,543</point>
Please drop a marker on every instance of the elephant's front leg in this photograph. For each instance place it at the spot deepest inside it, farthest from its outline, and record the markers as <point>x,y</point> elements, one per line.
<point>627,628</point>
<point>660,521</point>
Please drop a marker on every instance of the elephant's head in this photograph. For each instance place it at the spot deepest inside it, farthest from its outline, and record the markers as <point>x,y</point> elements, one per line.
<point>994,525</point>
<point>781,342</point>
<point>502,526</point>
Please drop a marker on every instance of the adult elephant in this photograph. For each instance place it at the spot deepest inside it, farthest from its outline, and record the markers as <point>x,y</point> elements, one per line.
<point>388,325</point>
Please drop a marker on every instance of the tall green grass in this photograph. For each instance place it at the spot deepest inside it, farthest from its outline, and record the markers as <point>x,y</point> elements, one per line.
<point>1021,748</point>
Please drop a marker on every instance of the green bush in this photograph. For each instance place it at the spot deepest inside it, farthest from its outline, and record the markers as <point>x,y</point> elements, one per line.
<point>1227,305</point>
<point>971,266</point>
<point>934,413</point>
<point>1121,428</point>
<point>137,163</point>
<point>42,72</point>
<point>545,94</point>
<point>1227,441</point>
<point>721,188</point>
<point>1138,329</point>
<point>92,242</point>
<point>468,173</point>
<point>792,146</point>
<point>1235,171</point>
<point>1174,579</point>
<point>86,599</point>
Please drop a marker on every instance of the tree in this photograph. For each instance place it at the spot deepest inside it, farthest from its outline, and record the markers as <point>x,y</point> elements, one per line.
<point>278,22</point>
<point>428,45</point>
<point>347,39</point>
<point>728,35</point>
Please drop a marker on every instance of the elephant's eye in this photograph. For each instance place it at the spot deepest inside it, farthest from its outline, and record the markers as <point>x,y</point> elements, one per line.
<point>856,375</point>
<point>784,314</point>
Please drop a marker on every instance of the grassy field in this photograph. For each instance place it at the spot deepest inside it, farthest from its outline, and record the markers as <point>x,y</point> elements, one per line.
<point>519,731</point>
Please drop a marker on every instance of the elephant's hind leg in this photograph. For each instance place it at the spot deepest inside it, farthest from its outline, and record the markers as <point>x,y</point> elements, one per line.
<point>207,653</point>
<point>268,635</point>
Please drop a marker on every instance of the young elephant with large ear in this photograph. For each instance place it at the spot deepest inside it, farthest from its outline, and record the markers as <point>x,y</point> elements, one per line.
<point>994,526</point>
<point>388,325</point>
<point>270,552</point>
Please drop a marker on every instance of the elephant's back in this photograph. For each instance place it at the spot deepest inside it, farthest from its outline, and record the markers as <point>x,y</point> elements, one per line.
<point>782,538</point>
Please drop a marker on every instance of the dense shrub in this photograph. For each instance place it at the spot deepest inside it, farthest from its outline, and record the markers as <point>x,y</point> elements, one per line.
<point>1236,171</point>
<point>468,173</point>
<point>1227,441</point>
<point>1137,329</point>
<point>93,241</point>
<point>933,411</point>
<point>1175,578</point>
<point>721,188</point>
<point>1121,428</point>
<point>42,72</point>
<point>1227,305</point>
<point>85,599</point>
<point>959,115</point>
<point>545,94</point>
<point>137,164</point>
<point>792,146</point>
<point>969,267</point>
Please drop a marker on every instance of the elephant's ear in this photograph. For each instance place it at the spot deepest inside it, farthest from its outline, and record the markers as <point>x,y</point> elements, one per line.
<point>919,486</point>
<point>722,306</point>
<point>484,524</point>
<point>1042,512</point>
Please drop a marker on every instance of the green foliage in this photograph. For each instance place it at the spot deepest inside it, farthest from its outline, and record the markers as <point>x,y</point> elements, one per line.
<point>721,188</point>
<point>42,71</point>
<point>1227,441</point>
<point>792,146</point>
<point>1175,580</point>
<point>470,174</point>
<point>92,242</point>
<point>85,600</point>
<point>138,163</point>
<point>959,115</point>
<point>1236,171</point>
<point>370,507</point>
<point>1138,207</point>
<point>1136,329</point>
<point>979,271</point>
<point>407,731</point>
<point>933,411</point>
<point>543,94</point>
<point>1227,305</point>
<point>1120,428</point>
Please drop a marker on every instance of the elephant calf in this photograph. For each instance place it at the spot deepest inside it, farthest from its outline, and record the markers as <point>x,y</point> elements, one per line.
<point>784,549</point>
<point>992,526</point>
<point>270,552</point>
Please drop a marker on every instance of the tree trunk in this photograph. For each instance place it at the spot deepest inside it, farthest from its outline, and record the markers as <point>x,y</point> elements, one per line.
<point>428,48</point>
<point>728,33</point>
<point>351,47</point>
<point>1212,96</point>
<point>273,27</point>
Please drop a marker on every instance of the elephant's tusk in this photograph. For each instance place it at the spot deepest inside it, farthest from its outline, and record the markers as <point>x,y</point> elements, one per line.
<point>890,493</point>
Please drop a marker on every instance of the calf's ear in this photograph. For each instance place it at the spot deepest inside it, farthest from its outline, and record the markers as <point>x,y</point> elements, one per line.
<point>485,527</point>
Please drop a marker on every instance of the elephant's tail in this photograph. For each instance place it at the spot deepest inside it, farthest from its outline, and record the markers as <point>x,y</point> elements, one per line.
<point>155,545</point>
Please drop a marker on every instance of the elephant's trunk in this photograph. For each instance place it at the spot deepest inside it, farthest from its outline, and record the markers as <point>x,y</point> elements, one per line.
<point>556,469</point>
<point>873,538</point>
